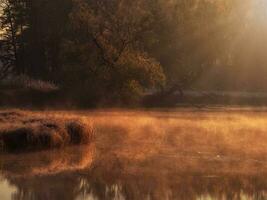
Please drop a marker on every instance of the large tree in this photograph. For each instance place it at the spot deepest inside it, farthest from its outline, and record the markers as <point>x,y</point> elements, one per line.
<point>107,43</point>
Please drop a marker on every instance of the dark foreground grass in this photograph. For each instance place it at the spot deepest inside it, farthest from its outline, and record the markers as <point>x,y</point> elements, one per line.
<point>21,131</point>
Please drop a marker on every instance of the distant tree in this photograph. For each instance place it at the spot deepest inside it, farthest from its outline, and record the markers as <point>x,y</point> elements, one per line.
<point>190,37</point>
<point>31,36</point>
<point>9,38</point>
<point>47,22</point>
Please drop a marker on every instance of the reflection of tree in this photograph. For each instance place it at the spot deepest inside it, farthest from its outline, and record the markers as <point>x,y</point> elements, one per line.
<point>157,181</point>
<point>111,176</point>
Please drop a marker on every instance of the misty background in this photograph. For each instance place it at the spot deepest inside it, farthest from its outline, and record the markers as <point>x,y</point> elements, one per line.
<point>101,52</point>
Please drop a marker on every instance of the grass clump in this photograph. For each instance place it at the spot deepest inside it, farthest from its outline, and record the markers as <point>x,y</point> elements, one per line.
<point>27,132</point>
<point>78,133</point>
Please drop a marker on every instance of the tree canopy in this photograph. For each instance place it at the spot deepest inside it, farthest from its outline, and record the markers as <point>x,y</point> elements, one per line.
<point>117,50</point>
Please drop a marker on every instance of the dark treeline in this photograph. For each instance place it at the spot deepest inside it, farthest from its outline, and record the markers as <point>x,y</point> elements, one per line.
<point>107,51</point>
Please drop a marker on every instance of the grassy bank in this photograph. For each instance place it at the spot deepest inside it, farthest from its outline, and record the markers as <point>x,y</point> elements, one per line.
<point>34,131</point>
<point>23,92</point>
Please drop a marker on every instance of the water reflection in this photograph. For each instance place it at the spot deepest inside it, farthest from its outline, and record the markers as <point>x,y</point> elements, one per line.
<point>136,158</point>
<point>84,173</point>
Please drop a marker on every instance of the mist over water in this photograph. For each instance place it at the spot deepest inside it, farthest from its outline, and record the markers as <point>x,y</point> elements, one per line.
<point>185,56</point>
<point>149,155</point>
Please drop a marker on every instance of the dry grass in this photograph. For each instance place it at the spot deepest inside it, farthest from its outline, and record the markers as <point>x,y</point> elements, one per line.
<point>20,131</point>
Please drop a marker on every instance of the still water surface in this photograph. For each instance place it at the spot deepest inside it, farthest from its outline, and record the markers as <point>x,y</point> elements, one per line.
<point>75,173</point>
<point>112,168</point>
